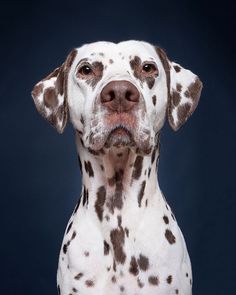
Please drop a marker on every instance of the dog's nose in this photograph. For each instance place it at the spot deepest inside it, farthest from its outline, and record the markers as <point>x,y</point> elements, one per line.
<point>120,96</point>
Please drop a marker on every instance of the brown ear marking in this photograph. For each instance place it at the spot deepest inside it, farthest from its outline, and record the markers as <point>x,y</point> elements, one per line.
<point>184,90</point>
<point>50,94</point>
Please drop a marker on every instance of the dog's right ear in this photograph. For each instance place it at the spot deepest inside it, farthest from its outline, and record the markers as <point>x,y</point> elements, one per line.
<point>50,94</point>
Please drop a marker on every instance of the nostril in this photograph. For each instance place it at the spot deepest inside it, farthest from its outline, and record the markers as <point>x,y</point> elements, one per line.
<point>132,96</point>
<point>111,95</point>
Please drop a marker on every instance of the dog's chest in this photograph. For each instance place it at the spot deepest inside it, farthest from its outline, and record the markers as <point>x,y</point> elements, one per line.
<point>136,256</point>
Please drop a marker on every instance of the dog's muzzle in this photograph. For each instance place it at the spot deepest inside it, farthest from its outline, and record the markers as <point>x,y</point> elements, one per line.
<point>120,99</point>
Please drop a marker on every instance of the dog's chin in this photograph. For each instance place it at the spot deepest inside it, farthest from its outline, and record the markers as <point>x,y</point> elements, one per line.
<point>120,137</point>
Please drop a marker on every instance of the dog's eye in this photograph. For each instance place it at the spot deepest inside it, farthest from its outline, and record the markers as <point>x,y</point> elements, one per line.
<point>149,68</point>
<point>85,70</point>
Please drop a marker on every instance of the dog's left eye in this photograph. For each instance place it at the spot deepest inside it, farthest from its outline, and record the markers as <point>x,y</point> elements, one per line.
<point>149,68</point>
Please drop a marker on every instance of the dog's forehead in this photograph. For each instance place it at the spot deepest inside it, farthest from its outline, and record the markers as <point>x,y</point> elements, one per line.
<point>122,50</point>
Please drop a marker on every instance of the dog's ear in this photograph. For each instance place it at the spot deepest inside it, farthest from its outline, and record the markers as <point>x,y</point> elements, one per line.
<point>184,89</point>
<point>50,94</point>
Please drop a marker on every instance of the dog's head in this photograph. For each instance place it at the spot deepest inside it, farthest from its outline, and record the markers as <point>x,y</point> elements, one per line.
<point>118,94</point>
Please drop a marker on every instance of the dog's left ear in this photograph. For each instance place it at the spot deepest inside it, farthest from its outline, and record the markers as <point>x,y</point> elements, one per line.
<point>184,89</point>
<point>50,94</point>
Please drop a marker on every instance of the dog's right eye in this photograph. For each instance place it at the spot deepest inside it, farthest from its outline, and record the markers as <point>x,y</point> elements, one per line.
<point>85,70</point>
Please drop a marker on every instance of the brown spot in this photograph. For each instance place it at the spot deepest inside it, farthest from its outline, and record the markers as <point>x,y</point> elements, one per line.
<point>113,279</point>
<point>50,98</point>
<point>106,248</point>
<point>116,200</point>
<point>153,280</point>
<point>154,100</point>
<point>101,197</point>
<point>114,265</point>
<point>78,276</point>
<point>153,155</point>
<point>183,113</point>
<point>143,262</point>
<point>73,235</point>
<point>178,87</point>
<point>170,237</point>
<point>127,232</point>
<point>98,73</point>
<point>111,61</point>
<point>74,290</point>
<point>65,247</point>
<point>177,68</point>
<point>175,96</point>
<point>149,171</point>
<point>133,266</point>
<point>86,253</point>
<point>140,284</point>
<point>195,90</point>
<point>119,155</point>
<point>150,82</point>
<point>117,240</point>
<point>89,283</point>
<point>176,291</point>
<point>135,64</point>
<point>38,89</point>
<point>88,168</point>
<point>141,193</point>
<point>93,152</point>
<point>138,165</point>
<point>169,279</point>
<point>85,196</point>
<point>166,219</point>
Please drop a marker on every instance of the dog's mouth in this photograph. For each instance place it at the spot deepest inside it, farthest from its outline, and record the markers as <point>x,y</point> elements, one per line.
<point>120,130</point>
<point>119,136</point>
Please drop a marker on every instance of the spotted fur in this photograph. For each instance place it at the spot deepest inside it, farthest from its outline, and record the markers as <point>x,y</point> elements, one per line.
<point>122,237</point>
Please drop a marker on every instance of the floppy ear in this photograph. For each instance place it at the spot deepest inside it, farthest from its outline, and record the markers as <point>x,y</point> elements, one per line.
<point>184,89</point>
<point>50,94</point>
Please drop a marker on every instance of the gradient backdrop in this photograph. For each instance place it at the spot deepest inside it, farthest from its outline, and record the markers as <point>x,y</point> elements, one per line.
<point>40,180</point>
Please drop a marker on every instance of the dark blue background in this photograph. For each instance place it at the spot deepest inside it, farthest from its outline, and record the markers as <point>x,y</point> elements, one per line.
<point>40,180</point>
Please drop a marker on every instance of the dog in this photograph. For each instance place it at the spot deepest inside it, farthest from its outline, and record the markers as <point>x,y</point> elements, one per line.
<point>122,237</point>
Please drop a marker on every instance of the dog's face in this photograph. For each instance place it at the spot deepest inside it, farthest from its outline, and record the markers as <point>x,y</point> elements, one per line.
<point>118,94</point>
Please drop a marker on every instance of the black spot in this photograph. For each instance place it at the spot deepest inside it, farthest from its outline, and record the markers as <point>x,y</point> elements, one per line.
<point>166,219</point>
<point>141,192</point>
<point>154,100</point>
<point>58,290</point>
<point>138,165</point>
<point>78,276</point>
<point>149,171</point>
<point>153,156</point>
<point>106,248</point>
<point>85,196</point>
<point>169,279</point>
<point>88,168</point>
<point>170,237</point>
<point>65,248</point>
<point>177,68</point>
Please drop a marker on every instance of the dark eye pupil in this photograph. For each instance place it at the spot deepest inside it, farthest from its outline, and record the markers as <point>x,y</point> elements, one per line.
<point>86,70</point>
<point>148,68</point>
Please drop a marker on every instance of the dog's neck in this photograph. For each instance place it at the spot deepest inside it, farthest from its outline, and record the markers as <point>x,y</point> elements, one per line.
<point>113,178</point>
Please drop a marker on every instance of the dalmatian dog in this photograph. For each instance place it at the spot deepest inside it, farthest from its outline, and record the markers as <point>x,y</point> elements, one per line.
<point>122,237</point>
